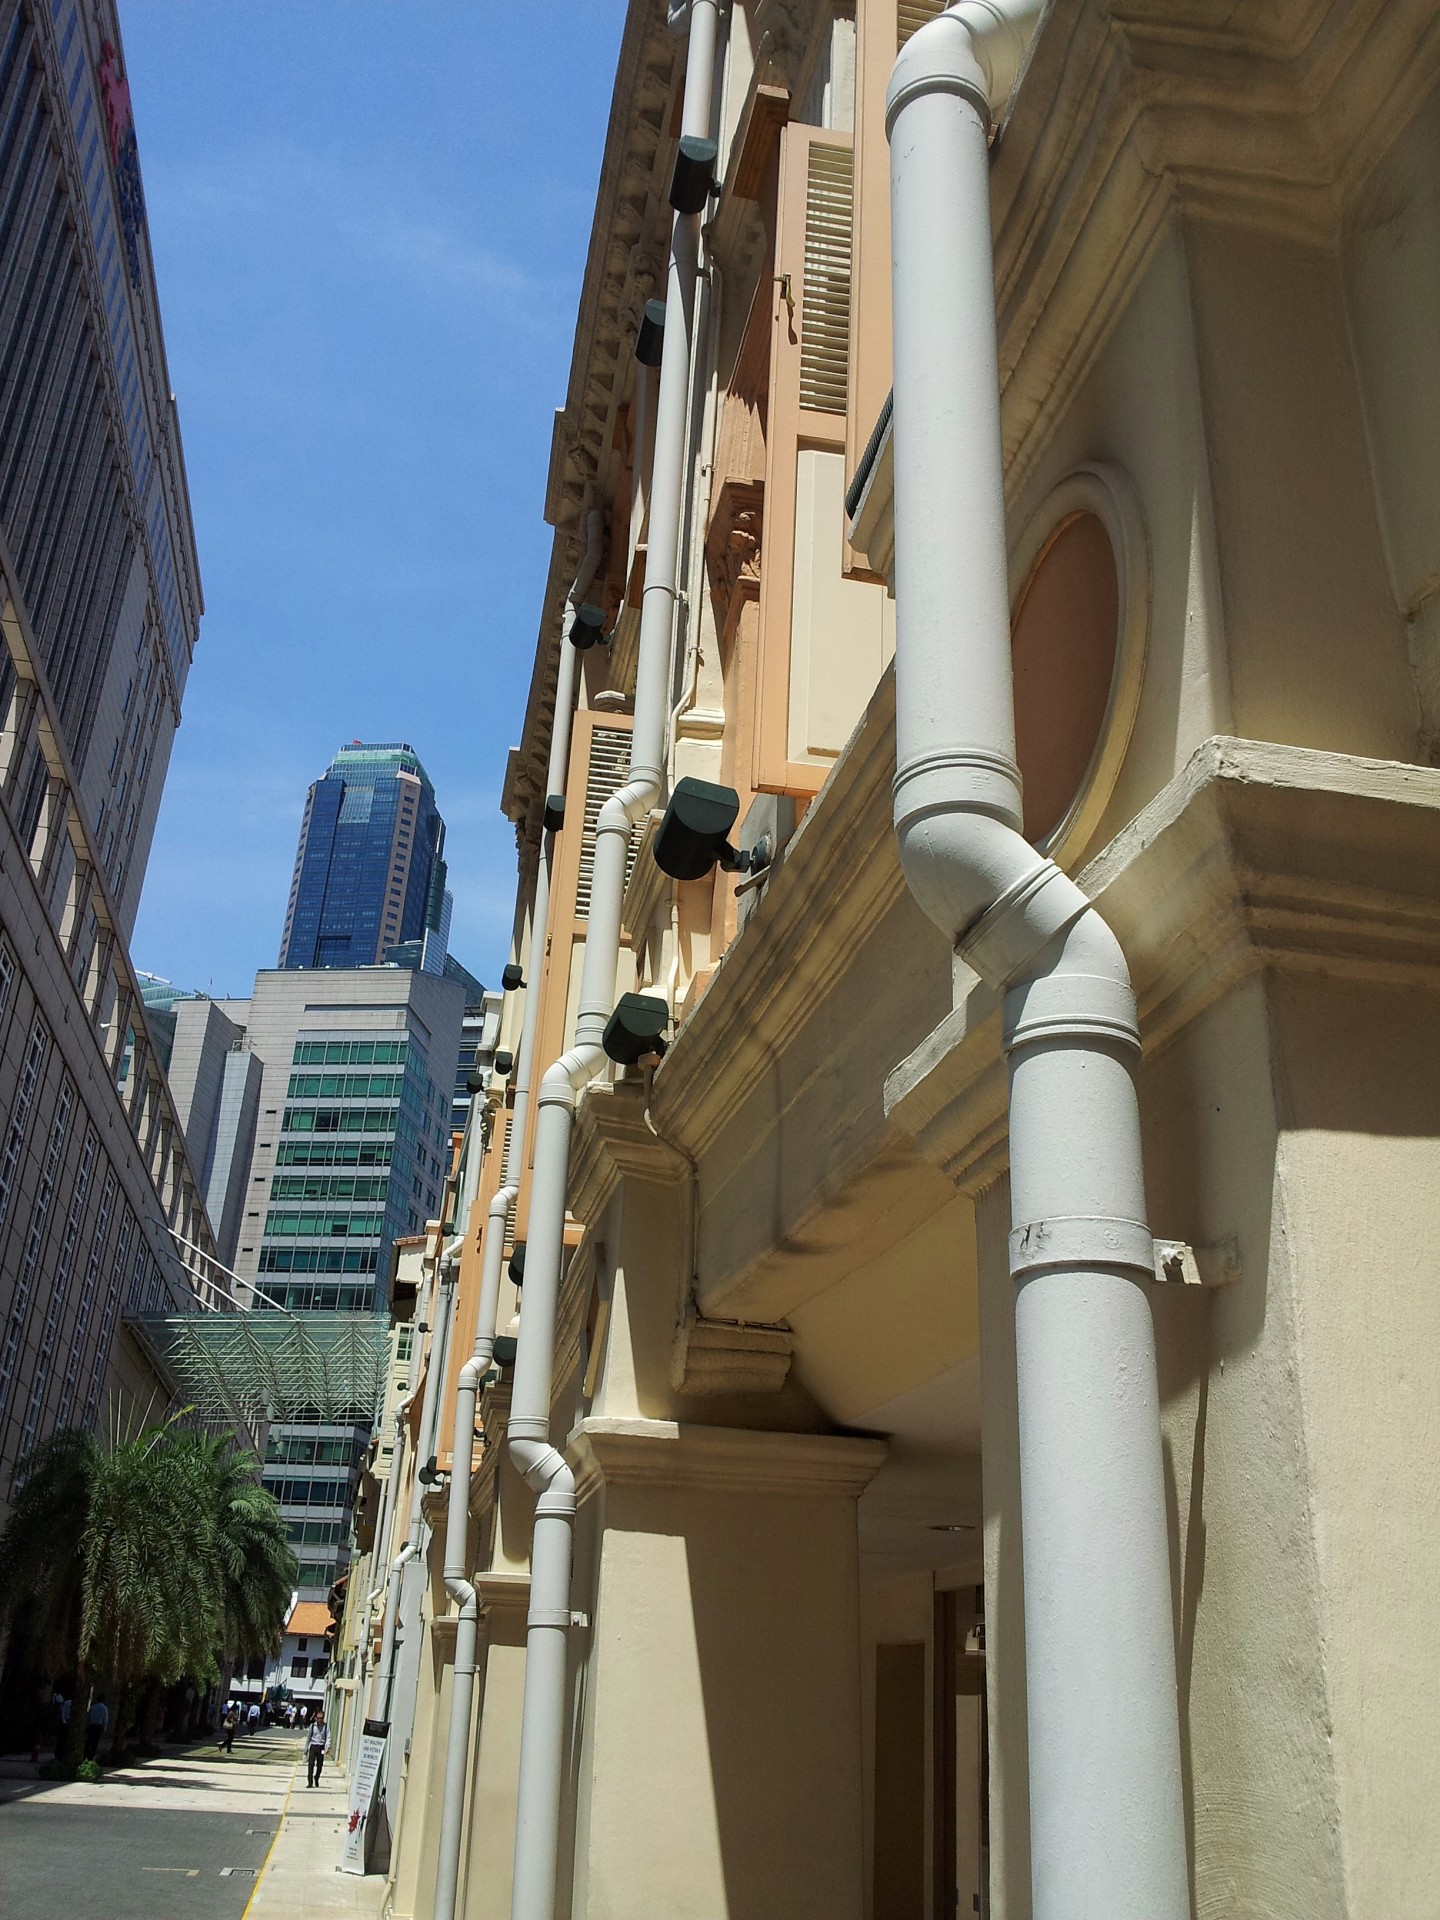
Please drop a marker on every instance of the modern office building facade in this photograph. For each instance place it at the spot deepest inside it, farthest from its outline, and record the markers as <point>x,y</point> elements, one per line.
<point>370,867</point>
<point>324,1133</point>
<point>101,608</point>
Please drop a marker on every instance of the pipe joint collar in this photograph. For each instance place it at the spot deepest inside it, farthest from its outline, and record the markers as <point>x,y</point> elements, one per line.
<point>557,1502</point>
<point>1070,1006</point>
<point>973,777</point>
<point>1082,1243</point>
<point>1022,922</point>
<point>939,58</point>
<point>549,1617</point>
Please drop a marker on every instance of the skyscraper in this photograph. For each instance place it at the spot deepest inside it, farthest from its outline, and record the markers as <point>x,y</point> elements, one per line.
<point>370,868</point>
<point>100,593</point>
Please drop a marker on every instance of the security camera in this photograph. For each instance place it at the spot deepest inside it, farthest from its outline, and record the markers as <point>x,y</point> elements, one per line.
<point>693,836</point>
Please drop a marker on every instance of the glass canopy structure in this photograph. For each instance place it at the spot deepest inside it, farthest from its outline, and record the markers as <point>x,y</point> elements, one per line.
<point>259,1365</point>
<point>256,1363</point>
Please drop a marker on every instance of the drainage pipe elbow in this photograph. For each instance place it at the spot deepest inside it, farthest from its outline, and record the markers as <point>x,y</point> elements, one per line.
<point>543,1466</point>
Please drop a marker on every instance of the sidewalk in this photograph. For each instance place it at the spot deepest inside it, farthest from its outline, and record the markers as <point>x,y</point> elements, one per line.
<point>193,1835</point>
<point>299,1880</point>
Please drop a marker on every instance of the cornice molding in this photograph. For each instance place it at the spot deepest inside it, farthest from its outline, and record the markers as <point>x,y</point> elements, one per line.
<point>1255,858</point>
<point>727,1460</point>
<point>503,1594</point>
<point>629,240</point>
<point>1130,119</point>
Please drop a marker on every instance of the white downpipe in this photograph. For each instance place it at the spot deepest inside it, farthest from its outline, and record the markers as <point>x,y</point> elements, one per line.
<point>542,1733</point>
<point>457,1530</point>
<point>1106,1819</point>
<point>411,1545</point>
<point>555,778</point>
<point>467,1386</point>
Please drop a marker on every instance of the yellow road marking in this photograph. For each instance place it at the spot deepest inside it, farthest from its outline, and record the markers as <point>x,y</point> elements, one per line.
<point>274,1842</point>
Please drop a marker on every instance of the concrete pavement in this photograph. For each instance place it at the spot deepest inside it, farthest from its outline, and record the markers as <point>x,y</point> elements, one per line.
<point>196,1835</point>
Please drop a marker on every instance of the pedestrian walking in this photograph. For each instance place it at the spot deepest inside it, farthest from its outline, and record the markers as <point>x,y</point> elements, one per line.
<point>317,1745</point>
<point>96,1721</point>
<point>227,1728</point>
<point>253,1717</point>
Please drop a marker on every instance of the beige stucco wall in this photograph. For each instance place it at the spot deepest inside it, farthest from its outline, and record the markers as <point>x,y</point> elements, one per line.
<point>722,1761</point>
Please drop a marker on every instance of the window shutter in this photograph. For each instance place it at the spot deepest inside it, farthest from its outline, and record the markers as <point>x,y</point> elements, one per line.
<point>609,763</point>
<point>822,638</point>
<point>911,15</point>
<point>825,297</point>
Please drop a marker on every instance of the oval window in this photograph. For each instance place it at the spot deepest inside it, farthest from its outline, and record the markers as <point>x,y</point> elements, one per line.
<point>1063,640</point>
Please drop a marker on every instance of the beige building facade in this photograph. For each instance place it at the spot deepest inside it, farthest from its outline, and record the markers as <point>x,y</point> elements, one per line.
<point>785,1338</point>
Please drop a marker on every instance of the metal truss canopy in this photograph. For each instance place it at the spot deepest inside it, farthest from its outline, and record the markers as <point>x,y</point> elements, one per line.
<point>262,1364</point>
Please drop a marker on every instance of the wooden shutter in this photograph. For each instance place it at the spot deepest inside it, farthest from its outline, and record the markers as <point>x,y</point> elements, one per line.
<point>912,14</point>
<point>820,636</point>
<point>882,28</point>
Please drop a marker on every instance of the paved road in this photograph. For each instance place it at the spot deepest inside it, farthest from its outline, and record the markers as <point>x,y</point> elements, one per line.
<point>181,1838</point>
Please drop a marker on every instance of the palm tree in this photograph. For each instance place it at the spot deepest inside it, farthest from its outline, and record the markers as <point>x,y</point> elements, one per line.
<point>255,1567</point>
<point>143,1561</point>
<point>42,1559</point>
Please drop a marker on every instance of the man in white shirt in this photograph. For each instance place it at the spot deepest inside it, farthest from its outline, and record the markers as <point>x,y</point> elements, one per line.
<point>317,1745</point>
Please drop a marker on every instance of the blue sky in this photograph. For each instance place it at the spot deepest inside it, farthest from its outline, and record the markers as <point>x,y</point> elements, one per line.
<point>369,235</point>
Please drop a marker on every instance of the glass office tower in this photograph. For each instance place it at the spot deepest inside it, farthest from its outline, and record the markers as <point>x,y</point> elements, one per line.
<point>370,871</point>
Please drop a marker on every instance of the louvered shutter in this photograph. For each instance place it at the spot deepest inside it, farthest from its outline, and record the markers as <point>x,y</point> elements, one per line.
<point>820,646</point>
<point>609,762</point>
<point>910,15</point>
<point>882,28</point>
<point>825,295</point>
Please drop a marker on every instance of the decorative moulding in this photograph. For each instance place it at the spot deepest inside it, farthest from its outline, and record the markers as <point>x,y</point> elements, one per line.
<point>504,1601</point>
<point>729,1356</point>
<point>741,1460</point>
<point>613,1143</point>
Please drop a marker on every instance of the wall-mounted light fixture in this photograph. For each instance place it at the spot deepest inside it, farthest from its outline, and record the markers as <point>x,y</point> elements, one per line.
<point>504,1062</point>
<point>554,812</point>
<point>587,627</point>
<point>633,1033</point>
<point>503,1352</point>
<point>693,181</point>
<point>512,976</point>
<point>516,1268</point>
<point>650,337</point>
<point>693,836</point>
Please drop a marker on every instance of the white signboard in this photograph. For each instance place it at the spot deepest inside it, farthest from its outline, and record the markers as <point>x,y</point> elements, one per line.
<point>362,1797</point>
